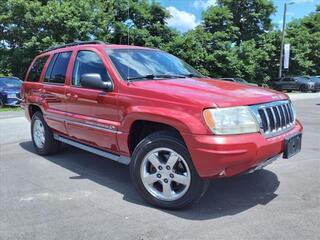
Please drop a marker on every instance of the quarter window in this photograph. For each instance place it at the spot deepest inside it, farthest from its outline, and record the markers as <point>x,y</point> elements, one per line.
<point>36,69</point>
<point>88,62</point>
<point>56,72</point>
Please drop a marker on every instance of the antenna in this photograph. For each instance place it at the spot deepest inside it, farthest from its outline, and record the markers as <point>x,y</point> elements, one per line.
<point>128,39</point>
<point>128,24</point>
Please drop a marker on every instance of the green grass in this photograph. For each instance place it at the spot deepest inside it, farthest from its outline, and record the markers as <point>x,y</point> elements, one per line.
<point>10,109</point>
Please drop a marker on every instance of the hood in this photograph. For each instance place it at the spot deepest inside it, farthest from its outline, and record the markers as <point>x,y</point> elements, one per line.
<point>208,92</point>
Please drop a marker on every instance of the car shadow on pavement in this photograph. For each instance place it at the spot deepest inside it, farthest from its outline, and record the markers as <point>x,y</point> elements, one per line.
<point>224,197</point>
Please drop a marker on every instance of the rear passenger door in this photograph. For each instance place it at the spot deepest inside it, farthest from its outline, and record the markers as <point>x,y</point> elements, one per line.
<point>54,90</point>
<point>93,114</point>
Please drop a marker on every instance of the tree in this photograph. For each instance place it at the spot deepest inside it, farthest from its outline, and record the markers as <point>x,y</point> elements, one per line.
<point>304,37</point>
<point>143,22</point>
<point>30,26</point>
<point>251,17</point>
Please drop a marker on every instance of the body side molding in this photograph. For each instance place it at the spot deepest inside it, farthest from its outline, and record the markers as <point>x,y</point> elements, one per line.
<point>118,158</point>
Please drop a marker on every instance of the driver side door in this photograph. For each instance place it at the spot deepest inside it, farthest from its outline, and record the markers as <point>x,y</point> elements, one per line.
<point>92,113</point>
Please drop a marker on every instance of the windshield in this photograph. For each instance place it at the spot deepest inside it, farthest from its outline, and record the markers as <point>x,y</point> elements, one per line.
<point>314,78</point>
<point>137,64</point>
<point>302,78</point>
<point>10,82</point>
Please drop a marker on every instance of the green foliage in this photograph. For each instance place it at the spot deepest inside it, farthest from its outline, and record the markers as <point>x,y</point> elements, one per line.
<point>235,38</point>
<point>251,17</point>
<point>304,37</point>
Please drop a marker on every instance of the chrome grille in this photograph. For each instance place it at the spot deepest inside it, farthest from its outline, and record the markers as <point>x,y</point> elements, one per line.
<point>275,117</point>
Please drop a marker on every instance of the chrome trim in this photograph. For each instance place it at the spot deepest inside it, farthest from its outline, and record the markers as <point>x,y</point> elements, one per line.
<point>267,117</point>
<point>286,120</point>
<point>288,112</point>
<point>274,119</point>
<point>102,128</point>
<point>118,158</point>
<point>280,117</point>
<point>264,164</point>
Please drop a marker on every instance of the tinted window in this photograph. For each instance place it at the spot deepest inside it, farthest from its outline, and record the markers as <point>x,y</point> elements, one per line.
<point>88,62</point>
<point>36,69</point>
<point>49,69</point>
<point>58,67</point>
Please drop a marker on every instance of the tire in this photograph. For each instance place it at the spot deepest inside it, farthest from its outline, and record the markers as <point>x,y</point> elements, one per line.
<point>304,88</point>
<point>163,144</point>
<point>1,103</point>
<point>42,136</point>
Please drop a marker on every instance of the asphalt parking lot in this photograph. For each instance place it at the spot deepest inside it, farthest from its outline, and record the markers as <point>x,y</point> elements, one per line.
<point>77,195</point>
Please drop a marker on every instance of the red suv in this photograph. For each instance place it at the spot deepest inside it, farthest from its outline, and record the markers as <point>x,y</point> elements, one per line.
<point>146,108</point>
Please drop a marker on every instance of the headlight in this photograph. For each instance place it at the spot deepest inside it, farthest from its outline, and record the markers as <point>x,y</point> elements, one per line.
<point>233,120</point>
<point>11,95</point>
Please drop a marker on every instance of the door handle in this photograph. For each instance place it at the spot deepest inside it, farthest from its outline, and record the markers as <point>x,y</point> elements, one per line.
<point>75,97</point>
<point>72,97</point>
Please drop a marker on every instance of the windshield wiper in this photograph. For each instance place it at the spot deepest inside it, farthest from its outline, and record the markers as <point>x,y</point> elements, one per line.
<point>191,75</point>
<point>153,76</point>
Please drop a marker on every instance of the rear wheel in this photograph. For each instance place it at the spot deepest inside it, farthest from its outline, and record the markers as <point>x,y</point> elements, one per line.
<point>163,172</point>
<point>42,136</point>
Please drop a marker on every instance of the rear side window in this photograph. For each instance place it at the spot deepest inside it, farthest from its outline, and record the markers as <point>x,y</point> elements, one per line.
<point>56,72</point>
<point>36,69</point>
<point>88,62</point>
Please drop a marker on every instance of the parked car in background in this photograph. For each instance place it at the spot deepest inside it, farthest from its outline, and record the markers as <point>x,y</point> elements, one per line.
<point>299,83</point>
<point>239,80</point>
<point>10,91</point>
<point>315,78</point>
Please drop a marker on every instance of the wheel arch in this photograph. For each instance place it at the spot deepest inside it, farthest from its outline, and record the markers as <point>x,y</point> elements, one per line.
<point>139,129</point>
<point>32,109</point>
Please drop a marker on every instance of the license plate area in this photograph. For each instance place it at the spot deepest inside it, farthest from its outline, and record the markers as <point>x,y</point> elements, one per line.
<point>292,145</point>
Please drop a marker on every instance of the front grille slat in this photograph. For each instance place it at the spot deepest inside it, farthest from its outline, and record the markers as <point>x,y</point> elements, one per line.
<point>286,120</point>
<point>291,113</point>
<point>280,117</point>
<point>268,121</point>
<point>275,117</point>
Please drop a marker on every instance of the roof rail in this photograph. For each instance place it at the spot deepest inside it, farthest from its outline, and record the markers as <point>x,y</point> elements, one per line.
<point>76,43</point>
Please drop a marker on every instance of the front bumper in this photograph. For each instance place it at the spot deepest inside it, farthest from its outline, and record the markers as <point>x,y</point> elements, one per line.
<point>224,156</point>
<point>13,102</point>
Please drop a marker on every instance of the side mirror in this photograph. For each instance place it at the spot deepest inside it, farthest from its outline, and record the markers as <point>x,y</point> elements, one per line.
<point>94,81</point>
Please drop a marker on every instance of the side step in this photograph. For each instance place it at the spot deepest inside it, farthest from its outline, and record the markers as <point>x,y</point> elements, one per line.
<point>114,157</point>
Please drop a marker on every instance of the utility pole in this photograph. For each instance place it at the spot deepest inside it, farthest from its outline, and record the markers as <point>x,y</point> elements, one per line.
<point>283,35</point>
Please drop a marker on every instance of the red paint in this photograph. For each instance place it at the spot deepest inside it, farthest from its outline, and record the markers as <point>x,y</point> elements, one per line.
<point>175,102</point>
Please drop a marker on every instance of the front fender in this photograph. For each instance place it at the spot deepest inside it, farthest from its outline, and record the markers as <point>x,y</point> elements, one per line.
<point>183,121</point>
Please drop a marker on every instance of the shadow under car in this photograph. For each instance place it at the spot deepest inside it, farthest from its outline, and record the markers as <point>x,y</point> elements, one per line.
<point>224,197</point>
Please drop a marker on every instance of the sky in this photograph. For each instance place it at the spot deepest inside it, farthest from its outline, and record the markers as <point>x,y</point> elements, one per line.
<point>186,14</point>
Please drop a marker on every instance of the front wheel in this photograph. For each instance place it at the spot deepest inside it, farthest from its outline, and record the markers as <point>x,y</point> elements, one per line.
<point>42,136</point>
<point>304,88</point>
<point>163,172</point>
